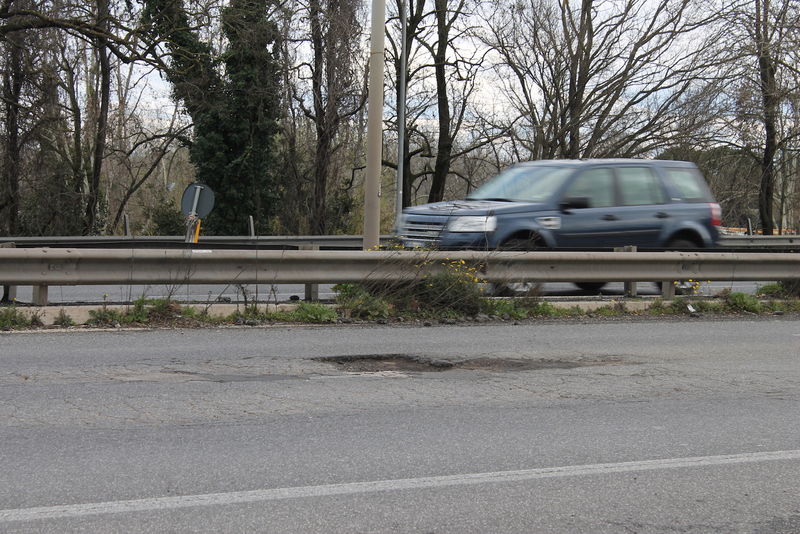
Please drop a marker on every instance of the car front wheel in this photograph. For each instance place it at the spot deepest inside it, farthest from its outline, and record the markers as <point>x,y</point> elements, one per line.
<point>510,289</point>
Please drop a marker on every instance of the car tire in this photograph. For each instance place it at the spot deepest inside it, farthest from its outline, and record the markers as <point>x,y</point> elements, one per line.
<point>590,286</point>
<point>511,289</point>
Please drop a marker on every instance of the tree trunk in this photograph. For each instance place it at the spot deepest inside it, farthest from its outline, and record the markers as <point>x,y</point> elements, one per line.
<point>101,42</point>
<point>769,101</point>
<point>444,146</point>
<point>415,17</point>
<point>12,91</point>
<point>322,152</point>
<point>580,62</point>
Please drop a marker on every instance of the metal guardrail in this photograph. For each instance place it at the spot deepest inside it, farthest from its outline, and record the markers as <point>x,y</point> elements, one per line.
<point>323,242</point>
<point>42,267</point>
<point>767,241</point>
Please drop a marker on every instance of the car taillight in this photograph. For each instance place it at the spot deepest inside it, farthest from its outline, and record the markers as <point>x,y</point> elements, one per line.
<point>716,214</point>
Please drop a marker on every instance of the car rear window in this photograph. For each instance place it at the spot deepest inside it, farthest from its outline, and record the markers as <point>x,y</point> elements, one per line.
<point>688,184</point>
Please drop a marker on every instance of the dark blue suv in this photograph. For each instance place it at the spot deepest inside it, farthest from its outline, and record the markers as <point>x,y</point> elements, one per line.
<point>574,204</point>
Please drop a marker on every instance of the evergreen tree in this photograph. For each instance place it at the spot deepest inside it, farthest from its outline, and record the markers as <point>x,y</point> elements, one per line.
<point>234,112</point>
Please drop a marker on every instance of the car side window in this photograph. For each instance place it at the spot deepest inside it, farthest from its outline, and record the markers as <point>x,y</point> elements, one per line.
<point>595,184</point>
<point>688,183</point>
<point>639,186</point>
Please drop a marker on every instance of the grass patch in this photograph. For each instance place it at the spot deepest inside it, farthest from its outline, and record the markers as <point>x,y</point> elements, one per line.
<point>684,306</point>
<point>13,319</point>
<point>311,312</point>
<point>525,308</point>
<point>305,312</point>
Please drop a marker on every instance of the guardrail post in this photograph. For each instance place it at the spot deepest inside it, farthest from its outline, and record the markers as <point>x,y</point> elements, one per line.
<point>667,290</point>
<point>630,287</point>
<point>9,292</point>
<point>39,295</point>
<point>312,290</point>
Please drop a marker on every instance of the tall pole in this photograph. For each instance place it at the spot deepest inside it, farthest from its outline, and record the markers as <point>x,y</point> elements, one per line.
<point>401,117</point>
<point>372,185</point>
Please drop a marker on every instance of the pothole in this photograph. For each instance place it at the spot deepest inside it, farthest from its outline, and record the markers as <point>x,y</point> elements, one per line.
<point>420,363</point>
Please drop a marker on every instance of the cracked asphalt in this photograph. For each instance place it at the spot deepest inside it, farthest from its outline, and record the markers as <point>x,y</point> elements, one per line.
<point>91,417</point>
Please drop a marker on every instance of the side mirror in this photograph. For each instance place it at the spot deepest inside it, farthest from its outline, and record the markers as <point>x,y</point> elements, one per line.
<point>573,203</point>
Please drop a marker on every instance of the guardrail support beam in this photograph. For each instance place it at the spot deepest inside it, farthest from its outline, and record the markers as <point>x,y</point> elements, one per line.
<point>39,296</point>
<point>630,286</point>
<point>667,290</point>
<point>9,294</point>
<point>312,290</point>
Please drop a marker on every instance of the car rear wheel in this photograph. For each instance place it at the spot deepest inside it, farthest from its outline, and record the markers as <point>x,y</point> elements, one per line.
<point>590,286</point>
<point>682,287</point>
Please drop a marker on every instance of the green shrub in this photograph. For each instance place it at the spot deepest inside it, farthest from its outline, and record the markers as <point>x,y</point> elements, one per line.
<point>742,302</point>
<point>166,219</point>
<point>449,290</point>
<point>455,291</point>
<point>35,319</point>
<point>771,290</point>
<point>790,288</point>
<point>12,318</point>
<point>163,309</point>
<point>138,314</point>
<point>63,319</point>
<point>357,301</point>
<point>146,310</point>
<point>105,317</point>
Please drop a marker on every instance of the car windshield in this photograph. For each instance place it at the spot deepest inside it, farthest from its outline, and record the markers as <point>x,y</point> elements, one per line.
<point>525,184</point>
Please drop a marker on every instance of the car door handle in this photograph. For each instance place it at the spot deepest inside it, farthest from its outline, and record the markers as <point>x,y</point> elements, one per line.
<point>610,218</point>
<point>662,215</point>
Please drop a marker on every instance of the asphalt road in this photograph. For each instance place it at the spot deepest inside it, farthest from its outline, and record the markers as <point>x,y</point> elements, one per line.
<point>649,426</point>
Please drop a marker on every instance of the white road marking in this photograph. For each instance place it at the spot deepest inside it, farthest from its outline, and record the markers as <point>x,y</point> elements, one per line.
<point>275,494</point>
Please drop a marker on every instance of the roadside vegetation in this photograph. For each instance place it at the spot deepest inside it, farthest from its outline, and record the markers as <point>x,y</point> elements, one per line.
<point>454,295</point>
<point>357,304</point>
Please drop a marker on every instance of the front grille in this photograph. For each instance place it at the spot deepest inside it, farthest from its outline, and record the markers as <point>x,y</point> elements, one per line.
<point>422,230</point>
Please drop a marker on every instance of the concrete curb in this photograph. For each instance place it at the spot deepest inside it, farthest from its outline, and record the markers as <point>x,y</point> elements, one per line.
<point>80,314</point>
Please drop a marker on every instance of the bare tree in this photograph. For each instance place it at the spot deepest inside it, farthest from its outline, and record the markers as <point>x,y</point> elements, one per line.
<point>766,52</point>
<point>603,78</point>
<point>328,89</point>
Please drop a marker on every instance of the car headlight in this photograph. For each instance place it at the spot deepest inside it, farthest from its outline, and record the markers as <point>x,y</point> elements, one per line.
<point>473,223</point>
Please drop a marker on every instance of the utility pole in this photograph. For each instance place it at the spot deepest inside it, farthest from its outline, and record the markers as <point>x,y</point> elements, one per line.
<point>401,117</point>
<point>372,184</point>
